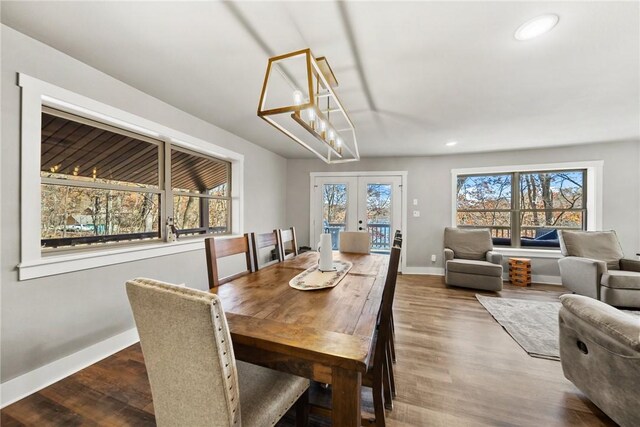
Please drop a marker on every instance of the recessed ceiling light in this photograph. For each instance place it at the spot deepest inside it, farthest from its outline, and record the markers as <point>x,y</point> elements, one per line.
<point>451,143</point>
<point>536,27</point>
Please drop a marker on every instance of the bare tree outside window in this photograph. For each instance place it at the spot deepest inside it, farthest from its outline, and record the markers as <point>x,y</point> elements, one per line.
<point>102,184</point>
<point>544,202</point>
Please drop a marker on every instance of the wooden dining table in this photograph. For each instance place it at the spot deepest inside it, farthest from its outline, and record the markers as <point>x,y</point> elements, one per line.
<point>325,335</point>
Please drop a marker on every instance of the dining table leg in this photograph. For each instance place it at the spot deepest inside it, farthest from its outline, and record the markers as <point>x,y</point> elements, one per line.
<point>345,385</point>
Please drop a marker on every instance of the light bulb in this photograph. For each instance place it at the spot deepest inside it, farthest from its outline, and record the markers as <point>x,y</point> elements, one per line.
<point>297,97</point>
<point>339,142</point>
<point>323,125</point>
<point>332,135</point>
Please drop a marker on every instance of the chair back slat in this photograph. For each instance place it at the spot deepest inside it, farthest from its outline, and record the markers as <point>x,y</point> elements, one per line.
<point>217,248</point>
<point>232,246</point>
<point>265,240</point>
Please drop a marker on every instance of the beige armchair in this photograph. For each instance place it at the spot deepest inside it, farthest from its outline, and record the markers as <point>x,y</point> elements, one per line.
<point>600,354</point>
<point>195,379</point>
<point>470,261</point>
<point>594,266</point>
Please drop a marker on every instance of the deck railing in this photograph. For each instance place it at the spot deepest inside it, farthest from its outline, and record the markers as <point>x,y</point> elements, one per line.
<point>380,235</point>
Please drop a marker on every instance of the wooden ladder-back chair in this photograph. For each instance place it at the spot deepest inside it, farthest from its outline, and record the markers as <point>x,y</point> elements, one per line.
<point>217,248</point>
<point>286,236</point>
<point>397,242</point>
<point>265,240</point>
<point>377,375</point>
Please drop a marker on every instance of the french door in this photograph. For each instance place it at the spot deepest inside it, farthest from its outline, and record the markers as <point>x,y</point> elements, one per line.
<point>371,203</point>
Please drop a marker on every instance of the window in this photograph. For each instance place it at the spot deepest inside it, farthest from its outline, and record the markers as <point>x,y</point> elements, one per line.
<point>103,184</point>
<point>201,198</point>
<point>532,205</point>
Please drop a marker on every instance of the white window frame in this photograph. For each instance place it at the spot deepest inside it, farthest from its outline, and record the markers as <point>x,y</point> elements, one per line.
<point>34,94</point>
<point>594,196</point>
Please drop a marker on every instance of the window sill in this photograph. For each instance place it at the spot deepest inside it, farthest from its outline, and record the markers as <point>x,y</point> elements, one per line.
<point>60,264</point>
<point>531,253</point>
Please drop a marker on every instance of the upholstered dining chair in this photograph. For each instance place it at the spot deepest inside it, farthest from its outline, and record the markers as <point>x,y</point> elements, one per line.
<point>265,240</point>
<point>470,261</point>
<point>195,379</point>
<point>356,242</point>
<point>594,266</point>
<point>287,237</point>
<point>217,247</point>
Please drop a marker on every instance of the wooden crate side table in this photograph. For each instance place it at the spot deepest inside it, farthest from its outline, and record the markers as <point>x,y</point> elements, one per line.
<point>520,271</point>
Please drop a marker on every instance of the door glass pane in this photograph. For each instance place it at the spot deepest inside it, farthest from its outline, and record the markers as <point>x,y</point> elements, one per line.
<point>379,216</point>
<point>334,210</point>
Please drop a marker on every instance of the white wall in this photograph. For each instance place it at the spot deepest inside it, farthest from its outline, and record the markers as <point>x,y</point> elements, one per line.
<point>429,181</point>
<point>48,318</point>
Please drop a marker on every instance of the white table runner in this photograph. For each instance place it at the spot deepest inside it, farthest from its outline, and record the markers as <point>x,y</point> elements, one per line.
<point>312,278</point>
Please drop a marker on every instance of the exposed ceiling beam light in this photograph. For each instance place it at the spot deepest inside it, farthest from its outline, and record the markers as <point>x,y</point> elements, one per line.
<point>536,27</point>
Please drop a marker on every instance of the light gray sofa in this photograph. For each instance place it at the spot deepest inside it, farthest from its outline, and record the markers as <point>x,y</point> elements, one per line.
<point>469,260</point>
<point>594,266</point>
<point>600,354</point>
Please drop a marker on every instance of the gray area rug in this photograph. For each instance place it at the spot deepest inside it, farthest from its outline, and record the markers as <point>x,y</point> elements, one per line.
<point>532,324</point>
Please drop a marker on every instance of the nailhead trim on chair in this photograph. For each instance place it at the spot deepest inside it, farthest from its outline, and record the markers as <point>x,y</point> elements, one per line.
<point>275,420</point>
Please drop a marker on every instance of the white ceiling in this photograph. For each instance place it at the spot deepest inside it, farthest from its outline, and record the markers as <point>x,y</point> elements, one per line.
<point>432,72</point>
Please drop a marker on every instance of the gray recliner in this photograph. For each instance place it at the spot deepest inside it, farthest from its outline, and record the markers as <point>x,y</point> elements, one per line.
<point>600,354</point>
<point>469,260</point>
<point>594,266</point>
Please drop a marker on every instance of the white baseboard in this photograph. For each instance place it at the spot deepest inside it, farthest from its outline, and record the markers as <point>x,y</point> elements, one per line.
<point>548,280</point>
<point>539,278</point>
<point>29,383</point>
<point>435,271</point>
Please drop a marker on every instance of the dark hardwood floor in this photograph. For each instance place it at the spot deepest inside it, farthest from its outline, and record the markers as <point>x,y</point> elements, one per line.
<point>456,366</point>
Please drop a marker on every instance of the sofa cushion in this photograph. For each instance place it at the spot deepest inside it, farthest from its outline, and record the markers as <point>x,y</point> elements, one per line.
<point>468,243</point>
<point>600,245</point>
<point>619,279</point>
<point>481,268</point>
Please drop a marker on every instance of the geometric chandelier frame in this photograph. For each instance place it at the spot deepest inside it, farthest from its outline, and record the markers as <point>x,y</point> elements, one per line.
<point>307,108</point>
